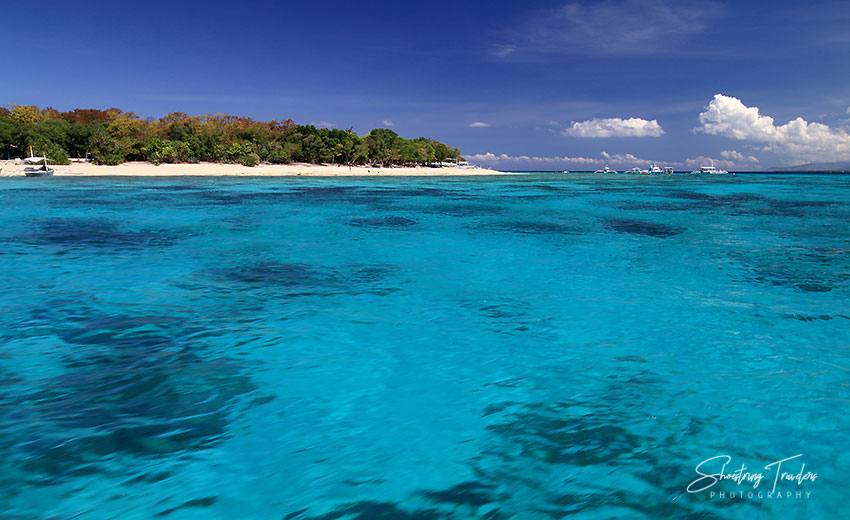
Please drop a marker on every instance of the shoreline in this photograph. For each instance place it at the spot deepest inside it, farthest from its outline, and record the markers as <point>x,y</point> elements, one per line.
<point>146,169</point>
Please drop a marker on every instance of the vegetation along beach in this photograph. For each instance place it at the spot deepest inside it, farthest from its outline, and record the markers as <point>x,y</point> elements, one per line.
<point>386,260</point>
<point>114,142</point>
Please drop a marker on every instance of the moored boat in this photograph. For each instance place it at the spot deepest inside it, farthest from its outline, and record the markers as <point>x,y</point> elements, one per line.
<point>711,170</point>
<point>41,171</point>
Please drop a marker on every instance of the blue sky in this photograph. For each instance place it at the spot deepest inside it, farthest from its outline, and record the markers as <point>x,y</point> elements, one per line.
<point>545,85</point>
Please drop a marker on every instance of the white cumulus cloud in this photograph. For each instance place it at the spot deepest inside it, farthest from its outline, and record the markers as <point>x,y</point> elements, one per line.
<point>615,127</point>
<point>702,160</point>
<point>727,116</point>
<point>734,155</point>
<point>323,124</point>
<point>387,122</point>
<point>625,158</point>
<point>478,124</point>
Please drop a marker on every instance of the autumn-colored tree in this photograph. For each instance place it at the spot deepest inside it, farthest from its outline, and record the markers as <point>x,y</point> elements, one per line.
<point>85,116</point>
<point>26,113</point>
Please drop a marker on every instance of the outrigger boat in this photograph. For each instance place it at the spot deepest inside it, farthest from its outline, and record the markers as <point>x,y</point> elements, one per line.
<point>42,171</point>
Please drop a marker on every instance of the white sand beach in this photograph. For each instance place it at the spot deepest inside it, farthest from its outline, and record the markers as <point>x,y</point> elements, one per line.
<point>145,169</point>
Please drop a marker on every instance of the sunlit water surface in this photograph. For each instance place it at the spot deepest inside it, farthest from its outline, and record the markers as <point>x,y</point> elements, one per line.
<point>525,347</point>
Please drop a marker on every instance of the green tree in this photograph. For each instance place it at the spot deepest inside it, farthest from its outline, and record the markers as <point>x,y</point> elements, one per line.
<point>160,151</point>
<point>7,130</point>
<point>79,138</point>
<point>106,149</point>
<point>52,151</point>
<point>384,146</point>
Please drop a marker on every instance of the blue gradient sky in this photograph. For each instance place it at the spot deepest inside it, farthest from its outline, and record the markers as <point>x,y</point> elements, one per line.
<point>525,73</point>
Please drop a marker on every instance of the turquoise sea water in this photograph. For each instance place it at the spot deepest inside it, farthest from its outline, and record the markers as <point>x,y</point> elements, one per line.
<point>537,346</point>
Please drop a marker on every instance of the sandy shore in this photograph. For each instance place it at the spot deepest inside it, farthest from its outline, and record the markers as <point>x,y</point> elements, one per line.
<point>144,169</point>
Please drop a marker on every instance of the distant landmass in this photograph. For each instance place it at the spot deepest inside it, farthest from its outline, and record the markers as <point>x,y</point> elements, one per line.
<point>842,166</point>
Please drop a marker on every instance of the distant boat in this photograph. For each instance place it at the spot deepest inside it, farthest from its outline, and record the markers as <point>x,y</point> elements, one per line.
<point>711,170</point>
<point>606,170</point>
<point>42,171</point>
<point>668,170</point>
<point>653,168</point>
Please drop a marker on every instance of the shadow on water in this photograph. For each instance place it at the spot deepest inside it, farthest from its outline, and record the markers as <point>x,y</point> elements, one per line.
<point>634,205</point>
<point>265,274</point>
<point>508,316</point>
<point>388,222</point>
<point>534,227</point>
<point>96,234</point>
<point>642,227</point>
<point>746,203</point>
<point>372,196</point>
<point>130,389</point>
<point>464,209</point>
<point>813,270</point>
<point>372,510</point>
<point>586,456</point>
<point>299,279</point>
<point>195,503</point>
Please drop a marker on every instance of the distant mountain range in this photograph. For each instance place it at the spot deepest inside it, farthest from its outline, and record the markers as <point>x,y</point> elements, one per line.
<point>842,166</point>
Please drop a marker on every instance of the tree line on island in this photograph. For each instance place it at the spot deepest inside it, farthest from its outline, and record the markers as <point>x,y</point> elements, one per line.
<point>113,136</point>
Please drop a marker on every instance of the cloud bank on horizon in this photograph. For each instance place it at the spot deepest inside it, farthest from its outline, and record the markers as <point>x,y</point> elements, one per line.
<point>491,158</point>
<point>604,157</point>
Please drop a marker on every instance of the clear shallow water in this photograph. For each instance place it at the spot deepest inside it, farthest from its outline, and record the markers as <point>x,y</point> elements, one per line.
<point>524,347</point>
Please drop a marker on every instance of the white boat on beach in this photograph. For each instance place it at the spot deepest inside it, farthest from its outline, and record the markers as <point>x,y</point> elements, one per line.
<point>32,171</point>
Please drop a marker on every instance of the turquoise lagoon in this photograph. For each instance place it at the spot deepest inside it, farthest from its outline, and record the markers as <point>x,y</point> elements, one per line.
<point>530,346</point>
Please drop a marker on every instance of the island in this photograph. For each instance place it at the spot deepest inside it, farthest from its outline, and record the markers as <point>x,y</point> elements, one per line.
<point>114,142</point>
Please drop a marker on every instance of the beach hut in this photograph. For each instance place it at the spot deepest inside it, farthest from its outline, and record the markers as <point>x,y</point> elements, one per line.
<point>9,152</point>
